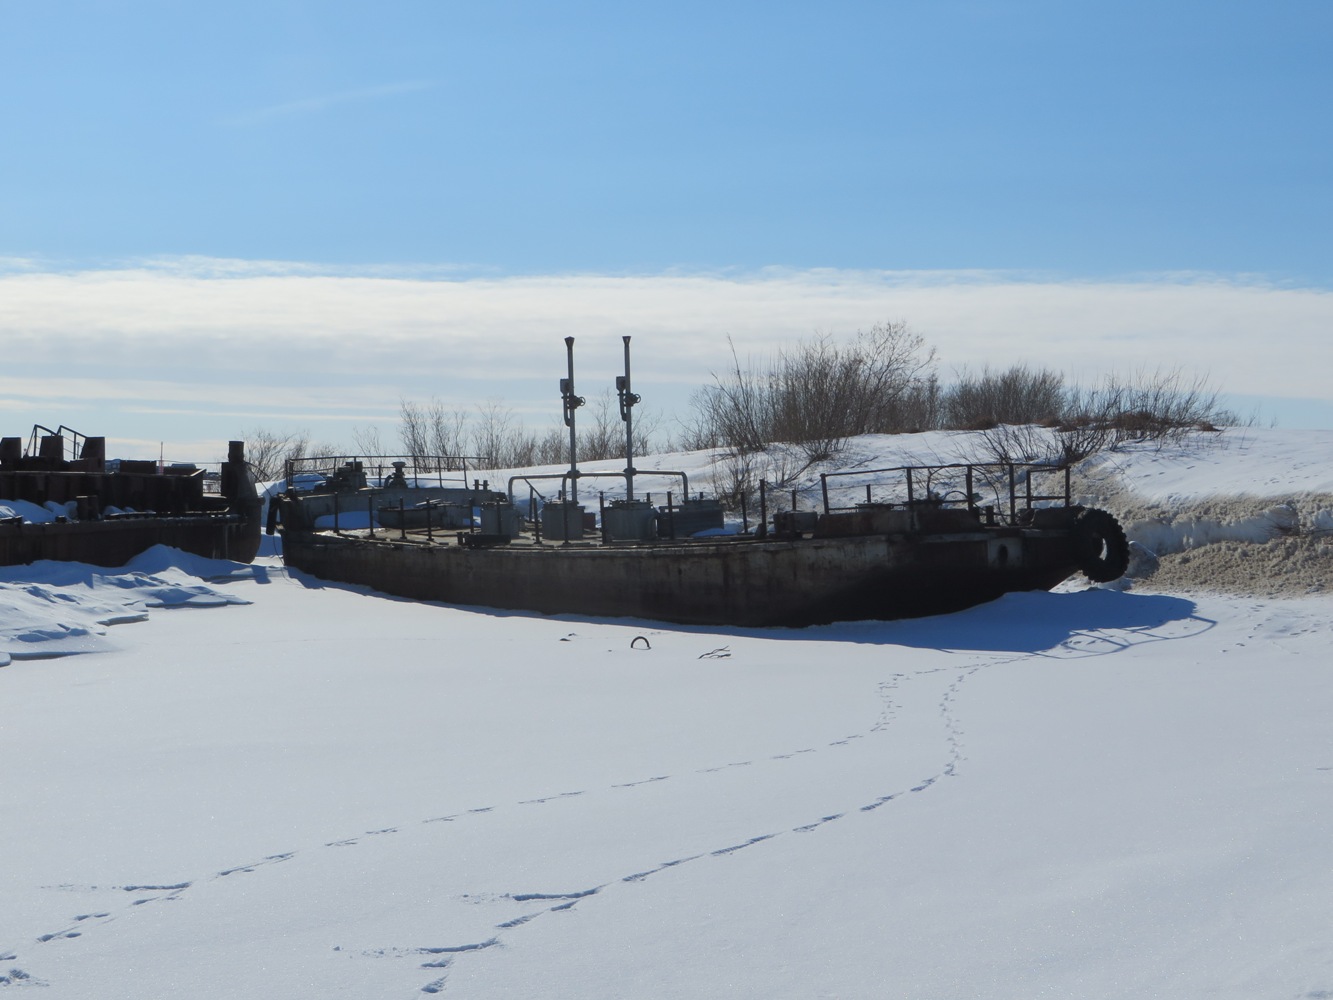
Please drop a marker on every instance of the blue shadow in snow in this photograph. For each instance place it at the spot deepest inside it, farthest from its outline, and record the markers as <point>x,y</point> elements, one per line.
<point>1028,622</point>
<point>1025,622</point>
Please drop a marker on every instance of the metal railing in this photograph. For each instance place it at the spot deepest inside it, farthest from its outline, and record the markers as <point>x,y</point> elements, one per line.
<point>1010,487</point>
<point>71,441</point>
<point>420,470</point>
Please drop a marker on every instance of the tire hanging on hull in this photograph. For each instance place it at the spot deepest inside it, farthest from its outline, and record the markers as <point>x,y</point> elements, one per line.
<point>1101,550</point>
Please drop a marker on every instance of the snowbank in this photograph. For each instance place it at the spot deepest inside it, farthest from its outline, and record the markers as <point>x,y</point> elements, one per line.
<point>50,609</point>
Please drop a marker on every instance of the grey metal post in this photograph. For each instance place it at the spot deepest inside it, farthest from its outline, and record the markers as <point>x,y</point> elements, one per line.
<point>571,403</point>
<point>627,401</point>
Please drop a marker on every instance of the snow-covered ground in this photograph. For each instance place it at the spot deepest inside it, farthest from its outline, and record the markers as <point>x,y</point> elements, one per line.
<point>262,785</point>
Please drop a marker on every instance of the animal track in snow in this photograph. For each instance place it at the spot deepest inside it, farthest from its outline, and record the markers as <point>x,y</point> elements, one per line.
<point>740,847</point>
<point>879,802</point>
<point>817,823</point>
<point>645,781</point>
<point>548,798</point>
<point>59,934</point>
<point>17,977</point>
<point>443,963</point>
<point>271,859</point>
<point>529,896</point>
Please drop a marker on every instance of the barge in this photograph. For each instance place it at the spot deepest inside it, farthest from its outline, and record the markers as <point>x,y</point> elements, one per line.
<point>107,512</point>
<point>874,544</point>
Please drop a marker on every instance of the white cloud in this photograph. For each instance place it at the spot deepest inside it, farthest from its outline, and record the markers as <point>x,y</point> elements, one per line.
<point>200,330</point>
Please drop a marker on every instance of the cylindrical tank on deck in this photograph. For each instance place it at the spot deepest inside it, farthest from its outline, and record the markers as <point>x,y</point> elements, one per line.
<point>562,520</point>
<point>499,519</point>
<point>629,521</point>
<point>689,517</point>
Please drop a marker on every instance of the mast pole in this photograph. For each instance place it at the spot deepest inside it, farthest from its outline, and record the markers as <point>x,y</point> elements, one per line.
<point>571,403</point>
<point>627,401</point>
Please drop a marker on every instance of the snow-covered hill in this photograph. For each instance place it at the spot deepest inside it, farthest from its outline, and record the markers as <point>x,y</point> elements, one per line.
<point>262,785</point>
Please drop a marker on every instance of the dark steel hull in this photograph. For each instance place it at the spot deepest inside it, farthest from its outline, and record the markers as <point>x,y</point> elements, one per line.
<point>116,542</point>
<point>748,582</point>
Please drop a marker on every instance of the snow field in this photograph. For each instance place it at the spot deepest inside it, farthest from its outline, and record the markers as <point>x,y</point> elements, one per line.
<point>329,792</point>
<point>266,786</point>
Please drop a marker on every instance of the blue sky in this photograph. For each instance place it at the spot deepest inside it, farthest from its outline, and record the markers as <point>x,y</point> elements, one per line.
<point>1042,144</point>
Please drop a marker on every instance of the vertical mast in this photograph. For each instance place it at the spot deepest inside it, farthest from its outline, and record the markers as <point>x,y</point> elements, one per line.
<point>571,403</point>
<point>627,401</point>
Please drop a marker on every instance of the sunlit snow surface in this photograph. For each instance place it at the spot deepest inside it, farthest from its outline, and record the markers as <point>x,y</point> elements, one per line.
<point>326,792</point>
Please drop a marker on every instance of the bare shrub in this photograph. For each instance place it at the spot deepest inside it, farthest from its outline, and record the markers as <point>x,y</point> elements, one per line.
<point>448,429</point>
<point>367,440</point>
<point>497,442</point>
<point>647,424</point>
<point>734,477</point>
<point>1017,395</point>
<point>605,437</point>
<point>1060,447</point>
<point>413,426</point>
<point>918,408</point>
<point>553,446</point>
<point>699,433</point>
<point>1163,406</point>
<point>1160,406</point>
<point>735,411</point>
<point>267,451</point>
<point>494,437</point>
<point>818,393</point>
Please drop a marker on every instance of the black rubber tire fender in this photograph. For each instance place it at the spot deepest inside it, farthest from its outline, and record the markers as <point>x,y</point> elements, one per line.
<point>1101,549</point>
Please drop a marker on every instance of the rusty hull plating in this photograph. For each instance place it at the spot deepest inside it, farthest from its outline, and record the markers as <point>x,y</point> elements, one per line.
<point>148,505</point>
